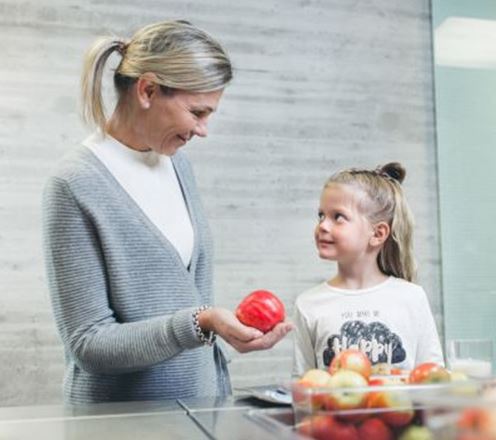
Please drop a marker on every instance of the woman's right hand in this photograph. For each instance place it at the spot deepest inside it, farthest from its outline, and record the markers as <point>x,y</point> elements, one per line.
<point>241,337</point>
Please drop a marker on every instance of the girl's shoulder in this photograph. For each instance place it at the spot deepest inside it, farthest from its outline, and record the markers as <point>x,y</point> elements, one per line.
<point>319,288</point>
<point>314,294</point>
<point>406,290</point>
<point>401,283</point>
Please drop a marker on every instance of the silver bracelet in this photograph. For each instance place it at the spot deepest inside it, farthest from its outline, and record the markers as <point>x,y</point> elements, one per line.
<point>206,338</point>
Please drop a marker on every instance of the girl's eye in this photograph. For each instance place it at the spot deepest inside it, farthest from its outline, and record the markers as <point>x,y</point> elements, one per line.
<point>320,216</point>
<point>338,216</point>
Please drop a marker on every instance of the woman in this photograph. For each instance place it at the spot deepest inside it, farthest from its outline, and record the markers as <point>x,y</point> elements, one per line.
<point>128,249</point>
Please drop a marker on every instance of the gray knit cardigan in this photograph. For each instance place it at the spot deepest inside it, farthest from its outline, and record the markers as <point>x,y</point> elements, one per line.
<point>121,295</point>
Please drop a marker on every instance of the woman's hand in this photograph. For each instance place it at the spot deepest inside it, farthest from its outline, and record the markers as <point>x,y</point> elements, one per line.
<point>239,336</point>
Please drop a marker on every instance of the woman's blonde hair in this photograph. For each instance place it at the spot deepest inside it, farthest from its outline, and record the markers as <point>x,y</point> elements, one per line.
<point>386,202</point>
<point>181,56</point>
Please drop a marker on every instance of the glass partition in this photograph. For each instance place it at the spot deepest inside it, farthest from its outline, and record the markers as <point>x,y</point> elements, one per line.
<point>465,90</point>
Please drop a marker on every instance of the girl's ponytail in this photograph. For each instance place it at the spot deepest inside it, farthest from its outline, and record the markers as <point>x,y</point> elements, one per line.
<point>396,257</point>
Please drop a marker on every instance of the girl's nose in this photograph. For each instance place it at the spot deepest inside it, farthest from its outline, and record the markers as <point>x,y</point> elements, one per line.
<point>325,225</point>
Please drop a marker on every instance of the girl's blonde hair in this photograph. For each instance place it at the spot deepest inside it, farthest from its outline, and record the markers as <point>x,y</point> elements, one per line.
<point>386,202</point>
<point>181,56</point>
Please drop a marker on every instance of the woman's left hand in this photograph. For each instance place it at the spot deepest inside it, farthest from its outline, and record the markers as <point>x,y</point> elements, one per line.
<point>269,339</point>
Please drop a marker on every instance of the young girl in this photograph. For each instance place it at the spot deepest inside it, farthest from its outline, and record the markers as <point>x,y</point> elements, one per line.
<point>365,225</point>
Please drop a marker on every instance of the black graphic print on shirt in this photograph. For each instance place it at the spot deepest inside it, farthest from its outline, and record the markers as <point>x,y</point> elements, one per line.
<point>374,339</point>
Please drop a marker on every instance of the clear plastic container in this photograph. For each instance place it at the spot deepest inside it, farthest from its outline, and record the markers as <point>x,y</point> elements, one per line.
<point>397,411</point>
<point>464,413</point>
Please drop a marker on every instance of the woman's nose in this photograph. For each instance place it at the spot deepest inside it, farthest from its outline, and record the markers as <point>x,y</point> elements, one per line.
<point>201,129</point>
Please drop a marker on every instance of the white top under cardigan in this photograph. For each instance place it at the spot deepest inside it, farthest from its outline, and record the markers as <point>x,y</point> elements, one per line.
<point>150,179</point>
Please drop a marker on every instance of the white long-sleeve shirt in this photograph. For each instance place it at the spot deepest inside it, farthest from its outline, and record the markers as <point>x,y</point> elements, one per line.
<point>391,322</point>
<point>151,181</point>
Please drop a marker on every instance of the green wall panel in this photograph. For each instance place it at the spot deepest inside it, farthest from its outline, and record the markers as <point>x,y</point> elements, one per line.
<point>466,139</point>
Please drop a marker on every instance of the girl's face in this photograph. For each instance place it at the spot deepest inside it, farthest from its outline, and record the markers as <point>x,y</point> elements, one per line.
<point>343,232</point>
<point>172,120</point>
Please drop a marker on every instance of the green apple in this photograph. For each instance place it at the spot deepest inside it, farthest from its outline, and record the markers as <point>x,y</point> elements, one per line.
<point>344,397</point>
<point>416,433</point>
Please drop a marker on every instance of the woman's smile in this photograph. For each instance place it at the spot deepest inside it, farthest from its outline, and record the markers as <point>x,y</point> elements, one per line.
<point>183,139</point>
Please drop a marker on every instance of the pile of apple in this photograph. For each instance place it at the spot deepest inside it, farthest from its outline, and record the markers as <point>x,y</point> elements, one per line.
<point>338,403</point>
<point>476,424</point>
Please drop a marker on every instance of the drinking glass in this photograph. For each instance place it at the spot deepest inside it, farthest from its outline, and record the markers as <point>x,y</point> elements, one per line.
<point>474,357</point>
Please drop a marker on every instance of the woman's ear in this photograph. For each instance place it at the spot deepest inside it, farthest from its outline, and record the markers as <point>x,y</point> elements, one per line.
<point>146,88</point>
<point>381,233</point>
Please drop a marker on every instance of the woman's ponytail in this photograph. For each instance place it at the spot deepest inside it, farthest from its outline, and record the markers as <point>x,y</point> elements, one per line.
<point>92,107</point>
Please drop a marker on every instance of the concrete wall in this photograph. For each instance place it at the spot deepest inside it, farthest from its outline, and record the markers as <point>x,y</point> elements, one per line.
<point>320,85</point>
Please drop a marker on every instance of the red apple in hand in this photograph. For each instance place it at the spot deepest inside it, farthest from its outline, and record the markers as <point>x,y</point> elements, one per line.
<point>346,399</point>
<point>429,372</point>
<point>261,309</point>
<point>351,359</point>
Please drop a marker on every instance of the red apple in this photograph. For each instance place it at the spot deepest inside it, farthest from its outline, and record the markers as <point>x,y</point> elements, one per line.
<point>261,309</point>
<point>473,436</point>
<point>315,378</point>
<point>316,427</point>
<point>374,429</point>
<point>390,380</point>
<point>400,410</point>
<point>374,382</point>
<point>326,427</point>
<point>429,372</point>
<point>480,421</point>
<point>343,431</point>
<point>473,419</point>
<point>304,392</point>
<point>354,416</point>
<point>381,369</point>
<point>351,359</point>
<point>398,417</point>
<point>378,381</point>
<point>346,398</point>
<point>383,381</point>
